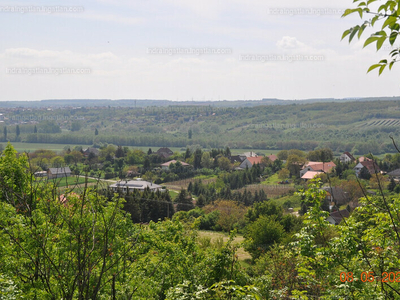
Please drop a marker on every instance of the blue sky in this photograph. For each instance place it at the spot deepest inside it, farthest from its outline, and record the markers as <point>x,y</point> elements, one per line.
<point>149,49</point>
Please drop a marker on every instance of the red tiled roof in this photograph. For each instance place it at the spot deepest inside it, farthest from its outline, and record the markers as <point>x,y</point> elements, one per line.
<point>255,160</point>
<point>320,166</point>
<point>272,157</point>
<point>173,162</point>
<point>371,166</point>
<point>310,174</point>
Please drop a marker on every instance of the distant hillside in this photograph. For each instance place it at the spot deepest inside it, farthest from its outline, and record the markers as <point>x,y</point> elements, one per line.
<point>138,103</point>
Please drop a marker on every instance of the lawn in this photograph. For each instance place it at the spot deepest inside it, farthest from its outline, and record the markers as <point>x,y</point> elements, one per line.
<point>214,236</point>
<point>71,181</point>
<point>30,147</point>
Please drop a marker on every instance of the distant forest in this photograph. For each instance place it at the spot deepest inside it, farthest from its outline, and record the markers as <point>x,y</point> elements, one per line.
<point>356,126</point>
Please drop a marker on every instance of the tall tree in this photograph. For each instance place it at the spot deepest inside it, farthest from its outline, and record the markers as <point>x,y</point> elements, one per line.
<point>17,131</point>
<point>5,132</point>
<point>184,201</point>
<point>96,132</point>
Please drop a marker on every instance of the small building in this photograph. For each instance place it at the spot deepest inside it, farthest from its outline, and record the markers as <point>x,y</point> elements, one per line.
<point>164,152</point>
<point>165,166</point>
<point>131,185</point>
<point>40,174</point>
<point>346,158</point>
<point>324,167</point>
<point>370,165</point>
<point>272,157</point>
<point>250,161</point>
<point>310,175</point>
<point>247,154</point>
<point>337,195</point>
<point>395,174</point>
<point>337,216</point>
<point>58,172</point>
<point>92,150</point>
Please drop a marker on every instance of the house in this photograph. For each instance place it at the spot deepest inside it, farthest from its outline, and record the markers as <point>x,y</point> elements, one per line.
<point>236,158</point>
<point>248,154</point>
<point>164,152</point>
<point>310,175</point>
<point>346,158</point>
<point>165,166</point>
<point>370,165</point>
<point>336,194</point>
<point>139,184</point>
<point>337,216</point>
<point>40,174</point>
<point>395,174</point>
<point>250,161</point>
<point>317,166</point>
<point>363,158</point>
<point>89,150</point>
<point>272,157</point>
<point>58,172</point>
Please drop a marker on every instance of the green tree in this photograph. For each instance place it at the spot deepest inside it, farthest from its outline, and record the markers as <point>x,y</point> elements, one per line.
<point>17,131</point>
<point>5,133</point>
<point>184,201</point>
<point>262,234</point>
<point>206,161</point>
<point>96,131</point>
<point>190,134</point>
<point>386,16</point>
<point>224,163</point>
<point>391,185</point>
<point>35,129</point>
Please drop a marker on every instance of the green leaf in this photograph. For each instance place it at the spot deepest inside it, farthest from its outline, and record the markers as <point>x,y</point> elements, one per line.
<point>373,67</point>
<point>361,30</point>
<point>370,40</point>
<point>346,33</point>
<point>348,12</point>
<point>380,42</point>
<point>389,21</point>
<point>381,69</point>
<point>353,32</point>
<point>374,19</point>
<point>393,37</point>
<point>391,64</point>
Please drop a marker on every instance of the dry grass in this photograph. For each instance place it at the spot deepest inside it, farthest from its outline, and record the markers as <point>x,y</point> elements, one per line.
<point>179,184</point>
<point>216,236</point>
<point>271,190</point>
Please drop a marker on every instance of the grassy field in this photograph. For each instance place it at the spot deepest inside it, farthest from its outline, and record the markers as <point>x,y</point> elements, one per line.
<point>214,236</point>
<point>30,147</point>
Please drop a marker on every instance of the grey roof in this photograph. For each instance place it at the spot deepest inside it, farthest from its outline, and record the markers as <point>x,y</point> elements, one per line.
<point>394,173</point>
<point>65,170</point>
<point>339,215</point>
<point>136,184</point>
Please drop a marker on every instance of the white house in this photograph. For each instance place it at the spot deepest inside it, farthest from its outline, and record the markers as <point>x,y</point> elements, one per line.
<point>140,185</point>
<point>346,158</point>
<point>250,161</point>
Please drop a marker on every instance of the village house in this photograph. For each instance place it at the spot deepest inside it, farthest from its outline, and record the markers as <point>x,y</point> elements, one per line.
<point>346,158</point>
<point>316,166</point>
<point>141,185</point>
<point>165,166</point>
<point>337,216</point>
<point>165,152</point>
<point>250,161</point>
<point>395,174</point>
<point>58,172</point>
<point>370,165</point>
